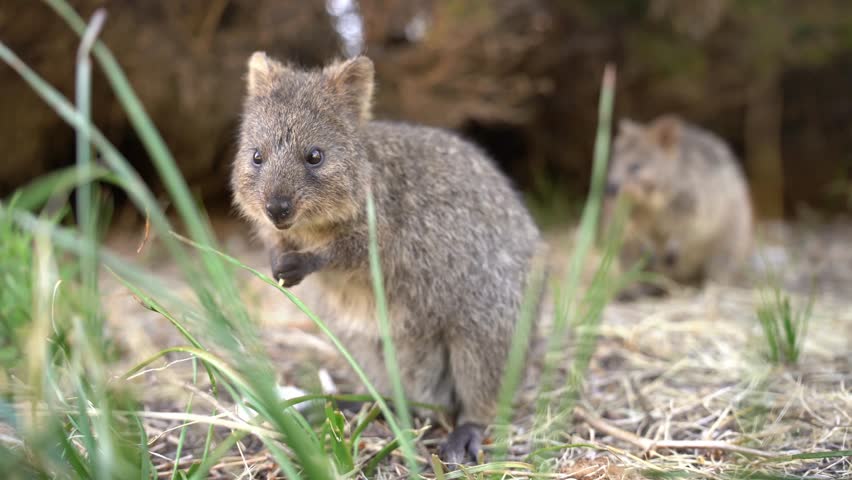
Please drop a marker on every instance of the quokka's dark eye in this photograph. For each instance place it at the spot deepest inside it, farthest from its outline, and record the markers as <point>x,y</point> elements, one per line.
<point>257,158</point>
<point>634,167</point>
<point>314,157</point>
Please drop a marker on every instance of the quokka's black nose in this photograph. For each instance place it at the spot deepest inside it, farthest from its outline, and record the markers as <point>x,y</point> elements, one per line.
<point>278,209</point>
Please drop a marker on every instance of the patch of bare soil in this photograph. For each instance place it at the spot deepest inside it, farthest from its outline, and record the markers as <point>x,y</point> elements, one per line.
<point>676,384</point>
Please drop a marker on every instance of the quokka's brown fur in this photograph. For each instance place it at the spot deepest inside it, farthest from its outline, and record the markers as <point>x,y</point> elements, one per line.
<point>691,215</point>
<point>455,241</point>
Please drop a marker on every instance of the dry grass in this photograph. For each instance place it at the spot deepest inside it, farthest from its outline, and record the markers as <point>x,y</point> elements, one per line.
<point>675,385</point>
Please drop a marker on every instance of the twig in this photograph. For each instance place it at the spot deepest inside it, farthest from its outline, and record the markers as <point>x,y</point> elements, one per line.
<point>169,464</point>
<point>241,462</point>
<point>147,233</point>
<point>650,445</point>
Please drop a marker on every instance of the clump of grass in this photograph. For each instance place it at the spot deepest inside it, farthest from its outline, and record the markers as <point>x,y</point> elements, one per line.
<point>784,326</point>
<point>15,288</point>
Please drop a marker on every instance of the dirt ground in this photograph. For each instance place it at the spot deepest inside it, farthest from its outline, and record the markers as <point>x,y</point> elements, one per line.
<point>675,384</point>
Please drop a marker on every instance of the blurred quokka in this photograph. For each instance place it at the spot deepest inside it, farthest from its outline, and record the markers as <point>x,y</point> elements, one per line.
<point>456,243</point>
<point>690,212</point>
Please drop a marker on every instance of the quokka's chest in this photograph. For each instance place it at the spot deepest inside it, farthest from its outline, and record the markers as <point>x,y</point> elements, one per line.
<point>352,308</point>
<point>351,302</point>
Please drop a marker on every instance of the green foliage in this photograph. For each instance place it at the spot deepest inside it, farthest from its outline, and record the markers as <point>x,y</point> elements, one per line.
<point>79,432</point>
<point>15,288</point>
<point>389,350</point>
<point>784,327</point>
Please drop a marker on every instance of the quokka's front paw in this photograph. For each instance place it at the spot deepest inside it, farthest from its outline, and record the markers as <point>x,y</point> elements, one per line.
<point>293,267</point>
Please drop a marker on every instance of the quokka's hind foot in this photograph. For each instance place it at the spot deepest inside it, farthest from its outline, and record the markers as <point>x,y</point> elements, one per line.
<point>462,445</point>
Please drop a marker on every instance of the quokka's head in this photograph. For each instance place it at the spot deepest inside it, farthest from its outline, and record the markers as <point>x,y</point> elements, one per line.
<point>301,161</point>
<point>645,161</point>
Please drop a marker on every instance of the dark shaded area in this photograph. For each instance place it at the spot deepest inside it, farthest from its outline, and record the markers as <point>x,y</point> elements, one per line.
<point>817,140</point>
<point>520,77</point>
<point>506,144</point>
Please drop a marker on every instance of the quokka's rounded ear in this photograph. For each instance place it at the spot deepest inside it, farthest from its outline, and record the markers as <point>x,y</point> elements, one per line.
<point>352,81</point>
<point>666,131</point>
<point>263,73</point>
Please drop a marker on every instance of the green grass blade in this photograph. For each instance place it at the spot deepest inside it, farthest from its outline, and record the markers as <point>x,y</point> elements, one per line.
<point>72,454</point>
<point>36,193</point>
<point>335,436</point>
<point>387,339</point>
<point>217,454</point>
<point>437,467</point>
<point>154,305</point>
<point>599,294</point>
<point>150,303</point>
<point>766,318</point>
<point>587,230</point>
<point>373,463</point>
<point>96,431</point>
<point>369,418</point>
<point>516,360</point>
<point>287,466</point>
<point>83,425</point>
<point>214,361</point>
<point>182,435</point>
<point>147,466</point>
<point>208,442</point>
<point>85,208</point>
